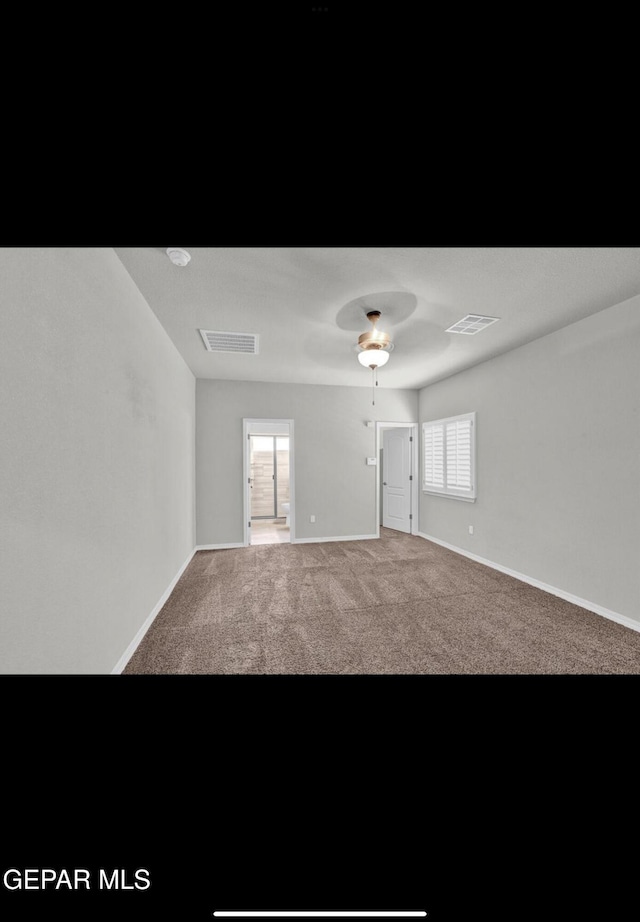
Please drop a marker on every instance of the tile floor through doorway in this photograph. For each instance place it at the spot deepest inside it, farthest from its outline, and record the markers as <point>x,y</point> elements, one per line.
<point>270,531</point>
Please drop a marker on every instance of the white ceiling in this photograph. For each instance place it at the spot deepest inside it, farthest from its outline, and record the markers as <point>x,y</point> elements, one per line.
<point>308,304</point>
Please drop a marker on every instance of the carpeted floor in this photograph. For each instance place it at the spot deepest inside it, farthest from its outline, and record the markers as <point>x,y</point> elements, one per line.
<point>400,604</point>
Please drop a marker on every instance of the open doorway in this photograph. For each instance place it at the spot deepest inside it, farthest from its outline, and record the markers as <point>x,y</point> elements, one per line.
<point>269,481</point>
<point>269,488</point>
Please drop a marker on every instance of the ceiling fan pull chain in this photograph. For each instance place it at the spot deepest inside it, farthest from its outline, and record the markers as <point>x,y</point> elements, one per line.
<point>373,392</point>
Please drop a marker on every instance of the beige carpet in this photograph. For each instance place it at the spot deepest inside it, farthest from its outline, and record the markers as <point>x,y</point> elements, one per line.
<point>396,605</point>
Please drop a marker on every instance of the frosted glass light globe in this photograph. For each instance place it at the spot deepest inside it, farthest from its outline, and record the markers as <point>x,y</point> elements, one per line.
<point>377,357</point>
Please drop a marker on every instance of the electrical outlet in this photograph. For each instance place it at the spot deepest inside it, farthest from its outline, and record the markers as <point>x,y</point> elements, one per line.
<point>312,519</point>
<point>470,529</point>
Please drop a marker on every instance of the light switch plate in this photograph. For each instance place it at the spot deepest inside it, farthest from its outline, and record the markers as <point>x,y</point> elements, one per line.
<point>371,461</point>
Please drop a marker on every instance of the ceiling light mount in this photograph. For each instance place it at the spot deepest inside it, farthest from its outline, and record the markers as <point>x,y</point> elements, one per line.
<point>374,339</point>
<point>178,256</point>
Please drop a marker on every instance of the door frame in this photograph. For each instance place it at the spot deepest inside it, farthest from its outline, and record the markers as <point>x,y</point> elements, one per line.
<point>246,467</point>
<point>415,470</point>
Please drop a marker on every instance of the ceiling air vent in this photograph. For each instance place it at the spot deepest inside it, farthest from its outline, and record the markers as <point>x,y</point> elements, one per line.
<point>472,324</point>
<point>215,341</point>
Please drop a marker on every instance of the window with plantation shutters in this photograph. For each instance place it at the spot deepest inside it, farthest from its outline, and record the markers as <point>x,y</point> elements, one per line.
<point>449,456</point>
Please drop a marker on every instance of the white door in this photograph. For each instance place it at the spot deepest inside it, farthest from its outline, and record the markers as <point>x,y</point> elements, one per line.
<point>396,483</point>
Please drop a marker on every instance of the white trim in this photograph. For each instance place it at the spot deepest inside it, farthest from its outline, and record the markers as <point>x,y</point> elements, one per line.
<point>217,547</point>
<point>337,538</point>
<point>415,472</point>
<point>465,499</point>
<point>317,914</point>
<point>246,506</point>
<point>131,649</point>
<point>553,590</point>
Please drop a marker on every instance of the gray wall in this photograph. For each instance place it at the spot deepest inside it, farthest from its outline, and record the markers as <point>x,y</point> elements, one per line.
<point>332,479</point>
<point>558,448</point>
<point>96,460</point>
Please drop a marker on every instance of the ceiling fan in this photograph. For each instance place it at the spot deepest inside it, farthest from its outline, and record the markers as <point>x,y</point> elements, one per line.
<point>374,347</point>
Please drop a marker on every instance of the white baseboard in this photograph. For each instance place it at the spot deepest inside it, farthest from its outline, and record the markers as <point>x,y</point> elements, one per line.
<point>337,538</point>
<point>553,590</point>
<point>131,649</point>
<point>216,547</point>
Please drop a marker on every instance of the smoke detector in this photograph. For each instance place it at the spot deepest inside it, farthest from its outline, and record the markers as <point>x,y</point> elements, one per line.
<point>178,256</point>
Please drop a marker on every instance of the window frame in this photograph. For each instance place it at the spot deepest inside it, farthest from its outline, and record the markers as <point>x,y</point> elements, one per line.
<point>451,492</point>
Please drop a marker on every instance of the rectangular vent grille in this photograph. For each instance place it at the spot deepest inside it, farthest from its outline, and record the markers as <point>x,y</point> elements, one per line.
<point>215,341</point>
<point>472,324</point>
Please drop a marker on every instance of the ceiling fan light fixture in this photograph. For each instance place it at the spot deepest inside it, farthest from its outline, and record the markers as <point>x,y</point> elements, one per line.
<point>375,347</point>
<point>373,357</point>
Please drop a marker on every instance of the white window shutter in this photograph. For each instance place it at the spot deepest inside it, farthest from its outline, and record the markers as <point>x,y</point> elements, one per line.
<point>459,455</point>
<point>449,456</point>
<point>434,456</point>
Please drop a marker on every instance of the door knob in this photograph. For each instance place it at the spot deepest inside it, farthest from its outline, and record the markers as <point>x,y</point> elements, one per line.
<point>384,483</point>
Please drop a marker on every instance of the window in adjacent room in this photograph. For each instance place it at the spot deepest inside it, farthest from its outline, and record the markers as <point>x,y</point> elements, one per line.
<point>449,456</point>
